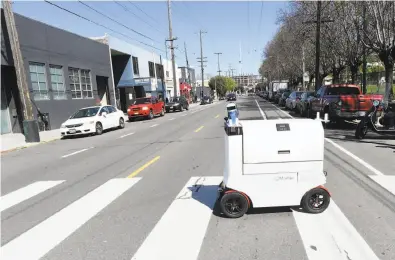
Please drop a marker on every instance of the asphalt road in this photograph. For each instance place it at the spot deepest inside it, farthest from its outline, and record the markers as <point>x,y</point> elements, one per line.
<point>147,192</point>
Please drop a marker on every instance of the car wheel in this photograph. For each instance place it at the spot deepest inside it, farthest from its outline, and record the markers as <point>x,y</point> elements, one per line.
<point>99,128</point>
<point>181,108</point>
<point>121,123</point>
<point>151,114</point>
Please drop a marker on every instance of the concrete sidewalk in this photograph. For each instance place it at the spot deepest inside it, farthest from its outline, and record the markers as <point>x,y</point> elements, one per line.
<point>11,142</point>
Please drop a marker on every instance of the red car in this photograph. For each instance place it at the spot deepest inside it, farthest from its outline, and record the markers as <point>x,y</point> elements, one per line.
<point>146,107</point>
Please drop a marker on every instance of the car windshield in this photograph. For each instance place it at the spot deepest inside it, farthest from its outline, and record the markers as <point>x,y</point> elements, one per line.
<point>298,94</point>
<point>141,101</point>
<point>86,112</point>
<point>176,99</point>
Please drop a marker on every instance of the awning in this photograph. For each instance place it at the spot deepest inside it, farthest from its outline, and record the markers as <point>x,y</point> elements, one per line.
<point>150,84</point>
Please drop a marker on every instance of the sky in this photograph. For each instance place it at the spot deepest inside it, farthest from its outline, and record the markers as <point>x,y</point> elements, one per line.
<point>228,24</point>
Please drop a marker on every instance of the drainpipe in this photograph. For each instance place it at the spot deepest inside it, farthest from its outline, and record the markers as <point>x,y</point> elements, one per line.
<point>112,72</point>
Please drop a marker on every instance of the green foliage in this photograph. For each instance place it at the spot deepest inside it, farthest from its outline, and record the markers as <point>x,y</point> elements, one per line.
<point>222,84</point>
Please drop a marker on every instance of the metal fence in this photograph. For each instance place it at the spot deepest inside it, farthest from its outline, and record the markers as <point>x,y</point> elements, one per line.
<point>375,82</point>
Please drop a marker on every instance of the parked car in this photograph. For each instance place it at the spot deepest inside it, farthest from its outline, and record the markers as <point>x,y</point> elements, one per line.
<point>177,103</point>
<point>231,97</point>
<point>206,100</point>
<point>221,98</point>
<point>146,107</point>
<point>302,105</point>
<point>93,120</point>
<point>341,102</point>
<point>284,97</point>
<point>294,97</point>
<point>278,95</point>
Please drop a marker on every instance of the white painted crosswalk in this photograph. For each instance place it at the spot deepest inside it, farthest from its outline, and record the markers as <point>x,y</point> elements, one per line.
<point>179,233</point>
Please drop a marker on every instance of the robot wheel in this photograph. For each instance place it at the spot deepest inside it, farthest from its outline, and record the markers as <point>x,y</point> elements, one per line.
<point>234,204</point>
<point>316,200</point>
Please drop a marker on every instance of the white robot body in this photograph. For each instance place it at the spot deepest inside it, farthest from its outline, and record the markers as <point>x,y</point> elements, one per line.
<point>274,162</point>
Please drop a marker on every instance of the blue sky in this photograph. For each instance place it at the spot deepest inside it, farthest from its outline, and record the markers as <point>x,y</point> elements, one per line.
<point>227,24</point>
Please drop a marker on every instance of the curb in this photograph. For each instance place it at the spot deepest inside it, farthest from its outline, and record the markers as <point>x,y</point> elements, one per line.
<point>27,146</point>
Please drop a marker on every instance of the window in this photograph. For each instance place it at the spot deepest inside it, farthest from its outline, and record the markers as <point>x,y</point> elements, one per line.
<point>104,109</point>
<point>159,71</point>
<point>38,79</point>
<point>151,69</point>
<point>80,84</point>
<point>135,61</point>
<point>111,109</point>
<point>57,82</point>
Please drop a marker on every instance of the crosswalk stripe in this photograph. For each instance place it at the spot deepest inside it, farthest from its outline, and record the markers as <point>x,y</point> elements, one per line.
<point>184,223</point>
<point>39,240</point>
<point>330,235</point>
<point>25,193</point>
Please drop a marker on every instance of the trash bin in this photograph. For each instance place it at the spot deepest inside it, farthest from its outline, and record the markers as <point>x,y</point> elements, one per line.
<point>31,131</point>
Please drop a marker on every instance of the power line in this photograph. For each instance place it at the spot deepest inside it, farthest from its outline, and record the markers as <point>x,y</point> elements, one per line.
<point>128,10</point>
<point>143,11</point>
<point>98,24</point>
<point>93,9</point>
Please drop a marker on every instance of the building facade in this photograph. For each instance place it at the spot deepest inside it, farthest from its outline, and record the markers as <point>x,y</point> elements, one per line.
<point>138,72</point>
<point>64,71</point>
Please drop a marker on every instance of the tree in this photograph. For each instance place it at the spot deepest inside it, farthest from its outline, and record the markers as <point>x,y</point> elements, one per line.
<point>379,35</point>
<point>222,84</point>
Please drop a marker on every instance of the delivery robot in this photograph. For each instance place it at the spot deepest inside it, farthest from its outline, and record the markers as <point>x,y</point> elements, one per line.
<point>273,163</point>
<point>231,114</point>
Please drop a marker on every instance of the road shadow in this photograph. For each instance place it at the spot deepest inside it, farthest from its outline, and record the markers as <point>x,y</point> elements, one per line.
<point>205,194</point>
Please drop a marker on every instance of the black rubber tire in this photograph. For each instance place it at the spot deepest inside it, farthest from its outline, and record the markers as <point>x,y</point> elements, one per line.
<point>167,110</point>
<point>162,113</point>
<point>306,201</point>
<point>151,114</point>
<point>181,108</point>
<point>187,107</point>
<point>121,123</point>
<point>239,199</point>
<point>99,128</point>
<point>361,131</point>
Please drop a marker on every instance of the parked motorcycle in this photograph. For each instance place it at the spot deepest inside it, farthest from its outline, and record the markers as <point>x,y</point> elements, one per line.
<point>368,122</point>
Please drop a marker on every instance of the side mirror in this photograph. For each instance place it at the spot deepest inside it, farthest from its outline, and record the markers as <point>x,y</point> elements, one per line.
<point>104,114</point>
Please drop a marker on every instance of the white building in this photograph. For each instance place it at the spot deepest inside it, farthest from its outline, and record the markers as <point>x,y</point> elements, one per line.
<point>138,71</point>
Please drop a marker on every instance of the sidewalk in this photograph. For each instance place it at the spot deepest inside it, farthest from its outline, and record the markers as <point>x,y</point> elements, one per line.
<point>11,142</point>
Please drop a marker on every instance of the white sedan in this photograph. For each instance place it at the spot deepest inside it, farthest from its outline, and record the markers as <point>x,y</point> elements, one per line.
<point>93,120</point>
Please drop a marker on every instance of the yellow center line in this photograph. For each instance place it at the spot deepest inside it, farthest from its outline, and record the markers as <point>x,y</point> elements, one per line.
<point>216,116</point>
<point>133,174</point>
<point>200,128</point>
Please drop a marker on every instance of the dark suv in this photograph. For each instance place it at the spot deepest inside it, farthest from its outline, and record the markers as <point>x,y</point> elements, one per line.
<point>231,97</point>
<point>177,103</point>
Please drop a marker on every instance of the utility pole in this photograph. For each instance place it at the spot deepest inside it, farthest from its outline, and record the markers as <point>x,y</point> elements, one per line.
<point>202,60</point>
<point>232,71</point>
<point>171,40</point>
<point>219,72</point>
<point>30,126</point>
<point>317,43</point>
<point>317,47</point>
<point>219,69</point>
<point>364,51</point>
<point>303,67</point>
